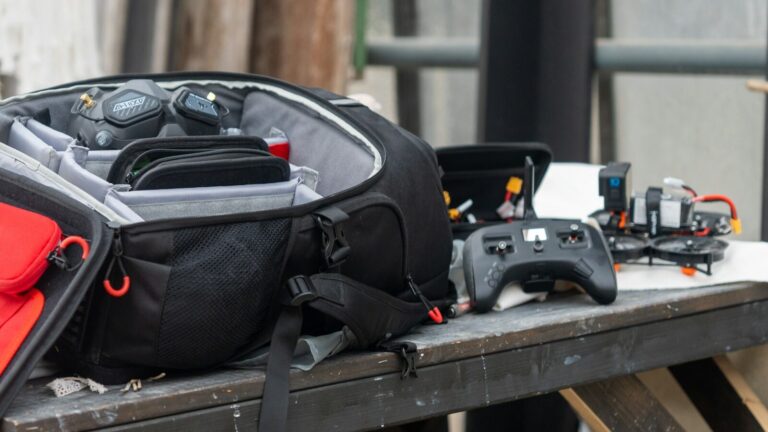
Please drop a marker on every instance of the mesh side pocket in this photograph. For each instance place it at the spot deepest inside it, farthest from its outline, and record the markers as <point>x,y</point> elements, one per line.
<point>220,289</point>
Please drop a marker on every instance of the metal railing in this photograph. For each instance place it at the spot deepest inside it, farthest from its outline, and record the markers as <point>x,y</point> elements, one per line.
<point>742,57</point>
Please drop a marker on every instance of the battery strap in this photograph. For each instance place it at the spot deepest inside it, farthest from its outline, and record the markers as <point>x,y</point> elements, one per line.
<point>371,314</point>
<point>653,210</point>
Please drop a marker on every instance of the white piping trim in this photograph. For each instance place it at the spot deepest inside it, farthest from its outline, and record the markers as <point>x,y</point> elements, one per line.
<point>74,191</point>
<point>235,85</point>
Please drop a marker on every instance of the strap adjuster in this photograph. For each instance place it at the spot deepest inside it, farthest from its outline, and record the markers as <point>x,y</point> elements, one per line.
<point>301,289</point>
<point>335,247</point>
<point>407,352</point>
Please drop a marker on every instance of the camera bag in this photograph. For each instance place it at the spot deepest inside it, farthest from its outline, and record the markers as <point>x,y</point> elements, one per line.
<point>366,247</point>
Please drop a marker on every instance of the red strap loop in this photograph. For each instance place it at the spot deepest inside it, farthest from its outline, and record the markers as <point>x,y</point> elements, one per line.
<point>78,241</point>
<point>118,292</point>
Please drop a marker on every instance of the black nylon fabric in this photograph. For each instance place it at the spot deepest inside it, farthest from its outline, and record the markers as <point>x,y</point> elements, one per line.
<point>202,293</point>
<point>411,178</point>
<point>202,288</point>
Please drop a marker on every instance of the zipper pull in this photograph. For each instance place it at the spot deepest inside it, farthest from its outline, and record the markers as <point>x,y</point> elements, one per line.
<point>434,313</point>
<point>117,256</point>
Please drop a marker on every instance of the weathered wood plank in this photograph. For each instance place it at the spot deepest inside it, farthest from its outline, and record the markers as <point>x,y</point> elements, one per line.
<point>710,386</point>
<point>472,335</point>
<point>442,388</point>
<point>743,389</point>
<point>621,403</point>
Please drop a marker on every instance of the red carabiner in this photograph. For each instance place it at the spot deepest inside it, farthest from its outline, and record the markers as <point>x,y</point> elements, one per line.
<point>117,292</point>
<point>78,241</point>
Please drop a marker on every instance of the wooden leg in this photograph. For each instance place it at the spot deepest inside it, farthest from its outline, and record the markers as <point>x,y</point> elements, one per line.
<point>722,395</point>
<point>622,403</point>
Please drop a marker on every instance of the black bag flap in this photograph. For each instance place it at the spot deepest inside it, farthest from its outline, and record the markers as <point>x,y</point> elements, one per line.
<point>166,146</point>
<point>224,167</point>
<point>63,290</point>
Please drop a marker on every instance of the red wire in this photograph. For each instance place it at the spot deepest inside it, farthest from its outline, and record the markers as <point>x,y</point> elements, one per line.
<point>716,198</point>
<point>690,190</point>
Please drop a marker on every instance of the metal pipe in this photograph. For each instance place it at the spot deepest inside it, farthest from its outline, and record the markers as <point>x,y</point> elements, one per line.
<point>676,56</point>
<point>613,55</point>
<point>416,52</point>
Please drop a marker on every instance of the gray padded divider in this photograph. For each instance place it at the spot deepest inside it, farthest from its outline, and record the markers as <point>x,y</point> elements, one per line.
<point>71,169</point>
<point>343,160</point>
<point>23,140</point>
<point>308,176</point>
<point>208,201</point>
<point>58,140</point>
<point>99,162</point>
<point>304,195</point>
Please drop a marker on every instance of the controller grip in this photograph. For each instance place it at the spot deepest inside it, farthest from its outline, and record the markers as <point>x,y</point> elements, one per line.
<point>601,286</point>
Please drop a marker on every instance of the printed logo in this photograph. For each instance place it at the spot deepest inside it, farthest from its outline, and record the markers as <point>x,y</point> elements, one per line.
<point>132,103</point>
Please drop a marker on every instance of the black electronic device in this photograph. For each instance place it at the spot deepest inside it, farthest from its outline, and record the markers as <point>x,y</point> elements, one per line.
<point>142,109</point>
<point>657,213</point>
<point>536,252</point>
<point>613,184</point>
<point>627,247</point>
<point>689,252</point>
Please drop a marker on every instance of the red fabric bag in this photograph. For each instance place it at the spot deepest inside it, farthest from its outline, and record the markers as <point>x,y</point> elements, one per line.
<point>27,241</point>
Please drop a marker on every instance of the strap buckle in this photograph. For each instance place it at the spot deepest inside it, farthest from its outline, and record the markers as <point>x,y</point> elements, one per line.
<point>301,290</point>
<point>407,352</point>
<point>335,248</point>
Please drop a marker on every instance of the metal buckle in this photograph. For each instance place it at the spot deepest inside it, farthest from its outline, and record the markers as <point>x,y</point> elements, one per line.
<point>301,289</point>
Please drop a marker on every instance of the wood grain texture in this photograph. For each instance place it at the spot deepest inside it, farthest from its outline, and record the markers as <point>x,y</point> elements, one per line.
<point>307,43</point>
<point>584,411</point>
<point>212,35</point>
<point>472,361</point>
<point>489,379</point>
<point>622,403</point>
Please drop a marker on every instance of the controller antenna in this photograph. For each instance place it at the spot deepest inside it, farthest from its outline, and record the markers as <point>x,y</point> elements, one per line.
<point>528,212</point>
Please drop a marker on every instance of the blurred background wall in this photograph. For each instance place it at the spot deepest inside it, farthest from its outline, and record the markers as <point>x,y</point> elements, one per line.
<point>706,129</point>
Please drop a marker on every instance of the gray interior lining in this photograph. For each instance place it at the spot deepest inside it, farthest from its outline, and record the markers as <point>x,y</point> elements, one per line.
<point>58,140</point>
<point>99,162</point>
<point>314,142</point>
<point>26,166</point>
<point>210,201</point>
<point>71,169</point>
<point>23,140</point>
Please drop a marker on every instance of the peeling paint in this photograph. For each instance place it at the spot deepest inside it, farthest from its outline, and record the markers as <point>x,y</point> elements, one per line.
<point>571,359</point>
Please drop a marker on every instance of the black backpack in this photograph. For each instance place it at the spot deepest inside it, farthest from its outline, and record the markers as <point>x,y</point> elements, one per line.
<point>371,255</point>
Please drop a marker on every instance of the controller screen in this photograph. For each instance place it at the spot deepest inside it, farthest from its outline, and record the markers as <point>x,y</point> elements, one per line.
<point>533,234</point>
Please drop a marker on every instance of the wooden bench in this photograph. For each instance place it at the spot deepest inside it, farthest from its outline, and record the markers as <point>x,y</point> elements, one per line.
<point>567,343</point>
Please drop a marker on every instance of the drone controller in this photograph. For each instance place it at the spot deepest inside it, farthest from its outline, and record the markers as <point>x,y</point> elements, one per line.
<point>536,252</point>
<point>142,109</point>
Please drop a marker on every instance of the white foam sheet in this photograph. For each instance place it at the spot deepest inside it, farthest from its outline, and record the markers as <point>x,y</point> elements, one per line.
<point>744,262</point>
<point>569,190</point>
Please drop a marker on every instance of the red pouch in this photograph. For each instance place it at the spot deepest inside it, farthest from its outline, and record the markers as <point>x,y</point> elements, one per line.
<point>27,240</point>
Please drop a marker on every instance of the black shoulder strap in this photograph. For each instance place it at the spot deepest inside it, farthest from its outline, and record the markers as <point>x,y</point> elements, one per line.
<point>373,316</point>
